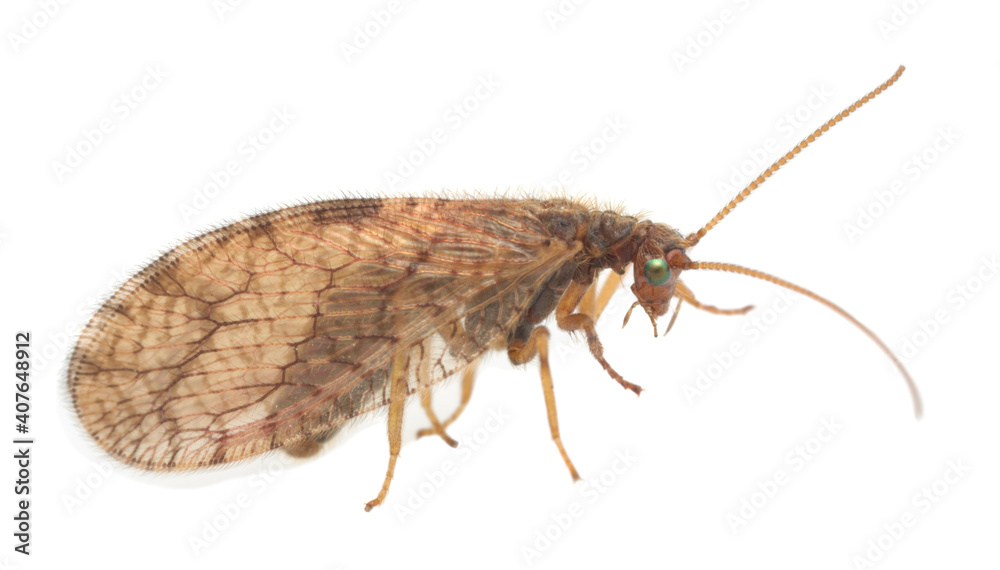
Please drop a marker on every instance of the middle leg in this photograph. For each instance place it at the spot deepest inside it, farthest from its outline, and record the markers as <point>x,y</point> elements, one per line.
<point>523,351</point>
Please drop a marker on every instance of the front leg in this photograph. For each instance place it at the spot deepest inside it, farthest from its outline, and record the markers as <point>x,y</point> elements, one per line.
<point>570,321</point>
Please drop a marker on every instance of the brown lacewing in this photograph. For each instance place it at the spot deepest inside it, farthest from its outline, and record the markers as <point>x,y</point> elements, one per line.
<point>272,332</point>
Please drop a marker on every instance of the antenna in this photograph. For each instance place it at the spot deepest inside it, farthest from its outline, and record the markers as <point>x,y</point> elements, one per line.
<point>694,238</point>
<point>918,407</point>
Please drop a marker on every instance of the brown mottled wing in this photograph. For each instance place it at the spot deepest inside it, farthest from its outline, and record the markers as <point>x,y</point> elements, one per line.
<point>266,331</point>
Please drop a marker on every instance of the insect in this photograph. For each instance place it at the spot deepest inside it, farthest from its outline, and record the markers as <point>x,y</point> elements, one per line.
<point>272,332</point>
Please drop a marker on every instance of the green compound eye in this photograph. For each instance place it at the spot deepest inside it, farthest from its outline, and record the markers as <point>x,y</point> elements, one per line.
<point>657,271</point>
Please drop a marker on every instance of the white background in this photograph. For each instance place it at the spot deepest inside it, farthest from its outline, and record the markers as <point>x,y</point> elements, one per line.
<point>68,238</point>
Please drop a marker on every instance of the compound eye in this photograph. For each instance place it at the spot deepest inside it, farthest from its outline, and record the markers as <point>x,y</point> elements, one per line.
<point>657,271</point>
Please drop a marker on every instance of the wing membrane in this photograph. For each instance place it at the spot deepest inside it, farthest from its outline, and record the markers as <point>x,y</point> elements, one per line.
<point>278,327</point>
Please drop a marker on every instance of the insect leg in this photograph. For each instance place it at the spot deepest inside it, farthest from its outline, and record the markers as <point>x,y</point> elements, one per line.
<point>588,304</point>
<point>608,290</point>
<point>438,427</point>
<point>521,352</point>
<point>570,321</point>
<point>399,392</point>
<point>468,379</point>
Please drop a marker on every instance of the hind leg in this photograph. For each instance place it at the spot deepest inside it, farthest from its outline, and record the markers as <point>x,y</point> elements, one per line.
<point>397,401</point>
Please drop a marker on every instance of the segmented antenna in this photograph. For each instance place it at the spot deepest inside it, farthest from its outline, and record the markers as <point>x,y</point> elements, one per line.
<point>696,236</point>
<point>914,393</point>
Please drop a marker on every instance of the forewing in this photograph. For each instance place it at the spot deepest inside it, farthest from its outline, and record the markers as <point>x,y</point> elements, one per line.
<point>282,326</point>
